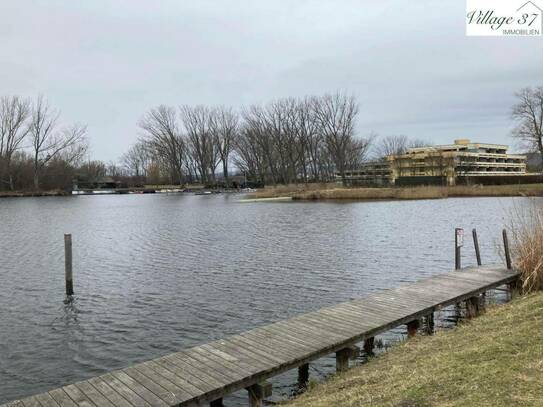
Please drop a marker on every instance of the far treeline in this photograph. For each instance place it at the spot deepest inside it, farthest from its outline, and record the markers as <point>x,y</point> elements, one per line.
<point>289,140</point>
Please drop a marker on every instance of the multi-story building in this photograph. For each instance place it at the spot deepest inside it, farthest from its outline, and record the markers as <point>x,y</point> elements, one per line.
<point>461,159</point>
<point>444,164</point>
<point>373,173</point>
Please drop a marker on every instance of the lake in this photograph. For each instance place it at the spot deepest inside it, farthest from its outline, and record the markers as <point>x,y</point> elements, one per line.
<point>157,273</point>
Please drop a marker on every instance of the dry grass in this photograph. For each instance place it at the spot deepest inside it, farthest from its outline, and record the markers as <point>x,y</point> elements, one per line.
<point>19,194</point>
<point>494,360</point>
<point>333,191</point>
<point>527,246</point>
<point>290,190</point>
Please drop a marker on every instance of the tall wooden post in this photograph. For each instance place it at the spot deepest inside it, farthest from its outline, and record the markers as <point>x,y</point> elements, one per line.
<point>68,264</point>
<point>506,249</point>
<point>458,243</point>
<point>476,244</point>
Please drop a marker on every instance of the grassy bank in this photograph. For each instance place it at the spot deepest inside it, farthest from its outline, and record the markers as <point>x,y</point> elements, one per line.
<point>494,360</point>
<point>332,191</point>
<point>19,194</point>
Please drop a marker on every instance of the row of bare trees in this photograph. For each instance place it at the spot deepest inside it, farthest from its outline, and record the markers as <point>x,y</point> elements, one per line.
<point>33,142</point>
<point>285,141</point>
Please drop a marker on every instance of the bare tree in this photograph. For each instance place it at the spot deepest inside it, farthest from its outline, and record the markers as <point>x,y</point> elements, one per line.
<point>396,145</point>
<point>528,112</point>
<point>47,143</point>
<point>14,113</point>
<point>162,133</point>
<point>224,127</point>
<point>136,159</point>
<point>197,124</point>
<point>336,115</point>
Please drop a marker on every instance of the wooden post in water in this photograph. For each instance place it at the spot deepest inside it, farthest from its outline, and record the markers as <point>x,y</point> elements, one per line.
<point>476,244</point>
<point>303,376</point>
<point>514,287</point>
<point>258,392</point>
<point>216,403</point>
<point>458,242</point>
<point>68,265</point>
<point>506,249</point>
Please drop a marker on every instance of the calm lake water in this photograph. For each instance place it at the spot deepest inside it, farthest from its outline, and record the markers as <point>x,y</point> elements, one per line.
<point>157,273</point>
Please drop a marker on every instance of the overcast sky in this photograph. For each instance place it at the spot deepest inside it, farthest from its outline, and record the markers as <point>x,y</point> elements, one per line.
<point>413,70</point>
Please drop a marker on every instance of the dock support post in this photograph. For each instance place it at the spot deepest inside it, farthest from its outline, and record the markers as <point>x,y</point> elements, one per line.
<point>258,392</point>
<point>514,288</point>
<point>412,328</point>
<point>476,245</point>
<point>369,344</point>
<point>68,265</point>
<point>429,327</point>
<point>472,307</point>
<point>303,376</point>
<point>216,403</point>
<point>342,359</point>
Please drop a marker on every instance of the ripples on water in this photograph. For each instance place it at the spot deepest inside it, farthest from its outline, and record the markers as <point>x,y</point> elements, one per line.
<point>157,273</point>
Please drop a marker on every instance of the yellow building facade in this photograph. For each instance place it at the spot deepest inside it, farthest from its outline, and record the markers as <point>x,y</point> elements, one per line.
<point>461,159</point>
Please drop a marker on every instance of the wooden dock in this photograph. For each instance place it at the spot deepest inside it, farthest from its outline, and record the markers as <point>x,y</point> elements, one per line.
<point>206,373</point>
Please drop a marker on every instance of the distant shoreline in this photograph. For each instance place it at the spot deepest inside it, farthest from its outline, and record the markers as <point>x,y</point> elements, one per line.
<point>326,192</point>
<point>30,194</point>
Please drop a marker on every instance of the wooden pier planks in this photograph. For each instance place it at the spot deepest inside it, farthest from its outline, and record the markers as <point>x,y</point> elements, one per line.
<point>210,371</point>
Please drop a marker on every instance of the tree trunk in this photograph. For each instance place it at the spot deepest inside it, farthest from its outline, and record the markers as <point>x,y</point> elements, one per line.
<point>225,172</point>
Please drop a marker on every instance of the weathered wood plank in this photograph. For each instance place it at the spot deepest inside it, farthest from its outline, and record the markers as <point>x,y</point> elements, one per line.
<point>46,400</point>
<point>108,392</point>
<point>31,402</point>
<point>62,398</point>
<point>94,395</point>
<point>142,389</point>
<point>124,391</point>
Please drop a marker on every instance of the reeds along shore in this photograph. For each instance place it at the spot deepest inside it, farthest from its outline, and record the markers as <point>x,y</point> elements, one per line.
<point>333,191</point>
<point>527,233</point>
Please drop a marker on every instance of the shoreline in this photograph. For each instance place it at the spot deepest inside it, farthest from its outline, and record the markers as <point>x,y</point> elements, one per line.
<point>297,193</point>
<point>32,194</point>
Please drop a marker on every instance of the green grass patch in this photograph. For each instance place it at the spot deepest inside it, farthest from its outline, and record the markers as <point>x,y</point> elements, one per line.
<point>493,360</point>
